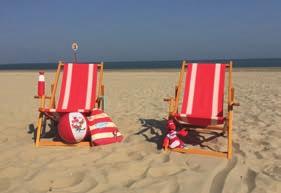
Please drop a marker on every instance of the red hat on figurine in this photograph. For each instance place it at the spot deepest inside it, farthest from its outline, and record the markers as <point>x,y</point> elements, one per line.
<point>171,125</point>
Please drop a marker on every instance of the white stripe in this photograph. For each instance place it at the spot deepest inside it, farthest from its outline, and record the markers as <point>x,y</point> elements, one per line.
<point>104,135</point>
<point>174,144</point>
<point>102,125</point>
<point>67,86</point>
<point>52,110</point>
<point>41,78</point>
<point>89,86</point>
<point>78,135</point>
<point>93,117</point>
<point>186,115</point>
<point>216,91</point>
<point>191,88</point>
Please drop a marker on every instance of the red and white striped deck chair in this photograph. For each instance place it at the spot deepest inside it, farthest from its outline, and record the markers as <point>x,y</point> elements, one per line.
<point>81,90</point>
<point>202,102</point>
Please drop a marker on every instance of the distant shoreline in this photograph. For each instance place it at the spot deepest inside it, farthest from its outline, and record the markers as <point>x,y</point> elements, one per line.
<point>244,64</point>
<point>237,69</point>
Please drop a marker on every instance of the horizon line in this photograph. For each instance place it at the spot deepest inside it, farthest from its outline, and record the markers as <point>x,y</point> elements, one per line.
<point>148,60</point>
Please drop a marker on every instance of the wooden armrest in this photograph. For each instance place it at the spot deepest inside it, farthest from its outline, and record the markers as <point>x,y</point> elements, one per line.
<point>235,104</point>
<point>39,97</point>
<point>167,99</point>
<point>100,98</point>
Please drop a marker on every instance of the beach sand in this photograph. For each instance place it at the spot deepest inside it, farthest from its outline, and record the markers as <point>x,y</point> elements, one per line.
<point>134,100</point>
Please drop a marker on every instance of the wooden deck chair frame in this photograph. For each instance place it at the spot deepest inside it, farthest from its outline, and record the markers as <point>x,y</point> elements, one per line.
<point>52,98</point>
<point>226,127</point>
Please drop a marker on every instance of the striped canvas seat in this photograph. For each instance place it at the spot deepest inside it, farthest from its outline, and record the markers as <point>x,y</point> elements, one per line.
<point>78,88</point>
<point>203,95</point>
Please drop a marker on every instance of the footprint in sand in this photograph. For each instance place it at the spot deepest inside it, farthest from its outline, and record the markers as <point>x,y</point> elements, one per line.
<point>273,170</point>
<point>13,172</point>
<point>4,184</point>
<point>136,156</point>
<point>165,170</point>
<point>219,179</point>
<point>60,181</point>
<point>193,166</point>
<point>3,139</point>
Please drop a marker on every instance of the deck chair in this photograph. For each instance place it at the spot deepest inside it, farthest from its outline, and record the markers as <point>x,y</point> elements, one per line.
<point>81,90</point>
<point>202,103</point>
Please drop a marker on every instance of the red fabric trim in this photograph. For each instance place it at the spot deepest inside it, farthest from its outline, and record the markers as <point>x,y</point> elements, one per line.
<point>199,121</point>
<point>96,111</point>
<point>62,111</point>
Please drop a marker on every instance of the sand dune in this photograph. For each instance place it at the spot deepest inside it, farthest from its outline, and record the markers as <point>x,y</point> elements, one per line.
<point>134,101</point>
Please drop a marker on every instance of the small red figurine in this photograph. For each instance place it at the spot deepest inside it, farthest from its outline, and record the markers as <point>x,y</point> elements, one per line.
<point>172,140</point>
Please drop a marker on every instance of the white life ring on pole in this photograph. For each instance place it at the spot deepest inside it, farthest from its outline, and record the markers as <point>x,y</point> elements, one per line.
<point>74,46</point>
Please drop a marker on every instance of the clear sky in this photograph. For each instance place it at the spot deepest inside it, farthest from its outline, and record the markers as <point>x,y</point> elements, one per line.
<point>126,30</point>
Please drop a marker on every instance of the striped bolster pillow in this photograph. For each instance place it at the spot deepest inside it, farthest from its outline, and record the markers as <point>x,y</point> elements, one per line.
<point>103,130</point>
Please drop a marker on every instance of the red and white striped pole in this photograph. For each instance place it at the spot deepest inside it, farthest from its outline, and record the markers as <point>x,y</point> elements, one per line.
<point>41,84</point>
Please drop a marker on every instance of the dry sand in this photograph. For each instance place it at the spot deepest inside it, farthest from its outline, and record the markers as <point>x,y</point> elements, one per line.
<point>134,100</point>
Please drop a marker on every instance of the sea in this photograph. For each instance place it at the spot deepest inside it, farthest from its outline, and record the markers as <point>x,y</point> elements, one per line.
<point>172,64</point>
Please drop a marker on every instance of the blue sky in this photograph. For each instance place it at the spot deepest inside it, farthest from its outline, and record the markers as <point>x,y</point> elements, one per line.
<point>132,30</point>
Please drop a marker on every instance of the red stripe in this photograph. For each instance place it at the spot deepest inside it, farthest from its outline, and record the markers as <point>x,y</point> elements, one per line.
<point>78,90</point>
<point>203,94</point>
<point>96,112</point>
<point>106,141</point>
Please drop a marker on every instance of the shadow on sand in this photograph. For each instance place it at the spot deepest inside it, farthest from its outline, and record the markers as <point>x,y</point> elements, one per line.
<point>154,131</point>
<point>49,129</point>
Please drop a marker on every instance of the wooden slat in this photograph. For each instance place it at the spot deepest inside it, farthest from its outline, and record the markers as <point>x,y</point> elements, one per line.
<point>38,129</point>
<point>39,97</point>
<point>53,96</point>
<point>205,130</point>
<point>184,64</point>
<point>200,152</point>
<point>59,143</point>
<point>100,79</point>
<point>230,113</point>
<point>210,127</point>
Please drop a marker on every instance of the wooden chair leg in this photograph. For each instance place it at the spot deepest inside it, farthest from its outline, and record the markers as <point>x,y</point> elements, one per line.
<point>38,130</point>
<point>229,137</point>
